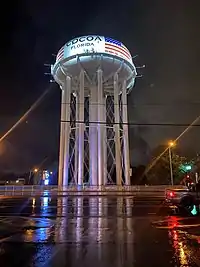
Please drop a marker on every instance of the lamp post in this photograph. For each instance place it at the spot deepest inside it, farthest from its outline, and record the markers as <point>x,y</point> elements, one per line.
<point>30,173</point>
<point>171,144</point>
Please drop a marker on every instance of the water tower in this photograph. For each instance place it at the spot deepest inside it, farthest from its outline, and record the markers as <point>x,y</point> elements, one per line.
<point>95,74</point>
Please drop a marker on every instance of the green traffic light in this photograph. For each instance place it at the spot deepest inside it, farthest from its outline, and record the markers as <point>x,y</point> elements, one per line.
<point>188,167</point>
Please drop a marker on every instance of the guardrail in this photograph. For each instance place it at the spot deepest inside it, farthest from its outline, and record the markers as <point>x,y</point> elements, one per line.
<point>16,190</point>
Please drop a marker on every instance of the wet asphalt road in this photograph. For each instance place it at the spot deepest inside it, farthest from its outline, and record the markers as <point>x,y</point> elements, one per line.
<point>95,231</point>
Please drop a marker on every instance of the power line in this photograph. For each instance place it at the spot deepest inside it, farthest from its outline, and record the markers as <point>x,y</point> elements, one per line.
<point>175,104</point>
<point>134,123</point>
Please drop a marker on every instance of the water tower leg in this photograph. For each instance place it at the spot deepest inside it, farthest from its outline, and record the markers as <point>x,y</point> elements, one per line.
<point>76,141</point>
<point>62,139</point>
<point>67,129</point>
<point>81,131</point>
<point>105,142</point>
<point>125,135</point>
<point>93,136</point>
<point>101,125</point>
<point>117,133</point>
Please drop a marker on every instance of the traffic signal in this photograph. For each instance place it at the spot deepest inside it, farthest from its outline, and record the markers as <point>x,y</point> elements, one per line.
<point>188,167</point>
<point>185,167</point>
<point>194,210</point>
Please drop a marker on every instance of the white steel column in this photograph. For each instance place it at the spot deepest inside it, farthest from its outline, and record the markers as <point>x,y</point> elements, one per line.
<point>105,142</point>
<point>76,140</point>
<point>117,133</point>
<point>102,121</point>
<point>125,135</point>
<point>67,129</point>
<point>62,138</point>
<point>93,136</point>
<point>100,128</point>
<point>81,131</point>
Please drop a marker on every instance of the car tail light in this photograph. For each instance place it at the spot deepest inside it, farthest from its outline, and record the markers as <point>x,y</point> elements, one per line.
<point>171,194</point>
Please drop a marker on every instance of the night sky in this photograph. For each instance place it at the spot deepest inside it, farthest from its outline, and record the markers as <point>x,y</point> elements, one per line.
<point>165,35</point>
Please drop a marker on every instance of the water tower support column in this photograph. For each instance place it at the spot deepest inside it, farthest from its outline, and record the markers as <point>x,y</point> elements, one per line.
<point>81,131</point>
<point>125,135</point>
<point>118,164</point>
<point>93,136</point>
<point>62,138</point>
<point>76,140</point>
<point>101,125</point>
<point>105,141</point>
<point>67,129</point>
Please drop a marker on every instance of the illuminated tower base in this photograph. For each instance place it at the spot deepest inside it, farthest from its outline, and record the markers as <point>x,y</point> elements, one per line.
<point>94,144</point>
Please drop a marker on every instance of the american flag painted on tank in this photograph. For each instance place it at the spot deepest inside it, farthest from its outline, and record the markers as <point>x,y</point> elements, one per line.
<point>117,48</point>
<point>60,54</point>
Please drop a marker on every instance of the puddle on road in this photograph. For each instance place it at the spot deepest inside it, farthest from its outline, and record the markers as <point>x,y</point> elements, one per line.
<point>184,238</point>
<point>20,222</point>
<point>28,230</point>
<point>174,222</point>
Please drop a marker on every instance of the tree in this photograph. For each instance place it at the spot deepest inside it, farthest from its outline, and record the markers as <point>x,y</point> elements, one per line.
<point>160,172</point>
<point>196,164</point>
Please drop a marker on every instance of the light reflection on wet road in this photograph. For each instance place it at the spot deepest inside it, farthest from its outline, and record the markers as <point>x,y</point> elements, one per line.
<point>100,231</point>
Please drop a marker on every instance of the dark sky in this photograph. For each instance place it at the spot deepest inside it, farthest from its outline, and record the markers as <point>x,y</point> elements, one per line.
<point>165,34</point>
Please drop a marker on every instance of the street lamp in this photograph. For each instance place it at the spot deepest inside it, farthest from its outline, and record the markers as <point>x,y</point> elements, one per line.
<point>30,174</point>
<point>170,145</point>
